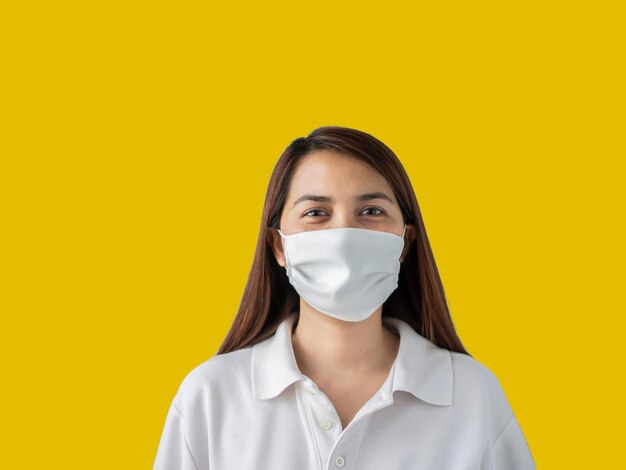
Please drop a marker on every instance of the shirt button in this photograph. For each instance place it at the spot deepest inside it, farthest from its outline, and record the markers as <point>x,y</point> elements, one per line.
<point>340,462</point>
<point>326,424</point>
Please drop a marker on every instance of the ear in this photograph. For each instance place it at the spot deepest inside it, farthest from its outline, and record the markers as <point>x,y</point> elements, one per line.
<point>276,244</point>
<point>409,238</point>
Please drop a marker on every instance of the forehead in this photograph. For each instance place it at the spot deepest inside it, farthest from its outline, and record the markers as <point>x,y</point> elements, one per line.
<point>327,172</point>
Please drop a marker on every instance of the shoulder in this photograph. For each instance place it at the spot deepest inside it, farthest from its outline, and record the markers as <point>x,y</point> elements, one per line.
<point>473,373</point>
<point>219,376</point>
<point>477,385</point>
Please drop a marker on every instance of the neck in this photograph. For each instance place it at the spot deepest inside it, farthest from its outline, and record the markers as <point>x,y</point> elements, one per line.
<point>327,348</point>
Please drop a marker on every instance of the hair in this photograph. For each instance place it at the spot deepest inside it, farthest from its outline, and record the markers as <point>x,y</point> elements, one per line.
<point>268,297</point>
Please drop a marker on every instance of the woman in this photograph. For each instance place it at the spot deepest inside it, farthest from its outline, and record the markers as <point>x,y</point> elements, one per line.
<point>343,353</point>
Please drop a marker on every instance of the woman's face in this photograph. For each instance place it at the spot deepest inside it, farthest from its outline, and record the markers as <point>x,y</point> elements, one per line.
<point>332,190</point>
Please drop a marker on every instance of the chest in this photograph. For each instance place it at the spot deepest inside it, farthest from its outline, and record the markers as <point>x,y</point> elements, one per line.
<point>298,429</point>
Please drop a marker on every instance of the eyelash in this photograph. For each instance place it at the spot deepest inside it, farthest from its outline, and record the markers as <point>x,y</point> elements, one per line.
<point>367,208</point>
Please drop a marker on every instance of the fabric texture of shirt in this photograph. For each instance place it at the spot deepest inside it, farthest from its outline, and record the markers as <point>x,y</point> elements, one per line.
<point>252,408</point>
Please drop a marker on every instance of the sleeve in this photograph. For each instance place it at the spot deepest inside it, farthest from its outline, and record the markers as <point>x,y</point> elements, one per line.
<point>510,450</point>
<point>173,452</point>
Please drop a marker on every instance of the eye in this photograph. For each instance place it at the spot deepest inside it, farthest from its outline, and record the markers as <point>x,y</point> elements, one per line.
<point>374,209</point>
<point>312,210</point>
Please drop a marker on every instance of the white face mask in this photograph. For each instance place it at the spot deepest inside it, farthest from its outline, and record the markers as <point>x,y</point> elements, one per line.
<point>346,273</point>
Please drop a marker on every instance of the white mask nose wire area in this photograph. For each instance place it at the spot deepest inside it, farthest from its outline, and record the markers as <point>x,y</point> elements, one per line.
<point>283,235</point>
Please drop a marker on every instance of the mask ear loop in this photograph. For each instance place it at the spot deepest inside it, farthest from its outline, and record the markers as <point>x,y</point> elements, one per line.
<point>284,237</point>
<point>404,231</point>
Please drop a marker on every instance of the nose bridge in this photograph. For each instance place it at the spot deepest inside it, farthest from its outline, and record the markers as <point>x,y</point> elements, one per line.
<point>343,217</point>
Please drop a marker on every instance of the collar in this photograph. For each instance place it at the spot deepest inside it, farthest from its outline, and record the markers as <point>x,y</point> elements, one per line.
<point>421,367</point>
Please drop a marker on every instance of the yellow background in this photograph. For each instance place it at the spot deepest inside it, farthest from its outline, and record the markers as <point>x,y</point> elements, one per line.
<point>137,141</point>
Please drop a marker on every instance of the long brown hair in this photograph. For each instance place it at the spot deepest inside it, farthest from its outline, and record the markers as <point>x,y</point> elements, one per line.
<point>269,298</point>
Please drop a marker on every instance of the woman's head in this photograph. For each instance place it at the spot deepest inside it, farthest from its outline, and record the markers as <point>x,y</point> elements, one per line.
<point>341,177</point>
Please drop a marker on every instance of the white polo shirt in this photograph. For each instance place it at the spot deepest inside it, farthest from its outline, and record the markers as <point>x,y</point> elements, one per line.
<point>253,409</point>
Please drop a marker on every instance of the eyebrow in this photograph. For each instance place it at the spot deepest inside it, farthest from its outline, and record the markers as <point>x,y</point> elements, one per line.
<point>360,197</point>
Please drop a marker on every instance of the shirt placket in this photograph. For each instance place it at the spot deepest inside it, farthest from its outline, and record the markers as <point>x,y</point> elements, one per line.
<point>338,448</point>
<point>323,419</point>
